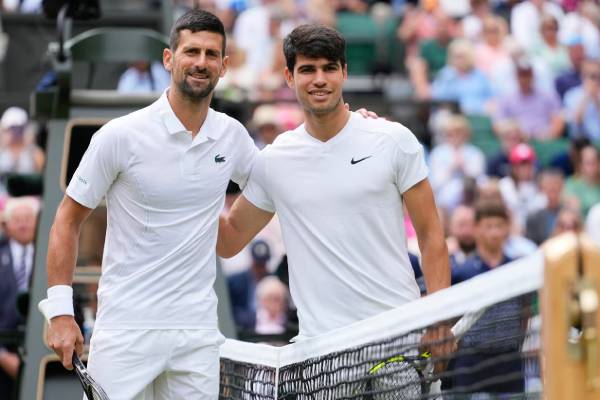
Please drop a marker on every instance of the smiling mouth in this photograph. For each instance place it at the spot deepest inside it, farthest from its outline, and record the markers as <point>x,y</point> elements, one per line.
<point>319,93</point>
<point>198,77</point>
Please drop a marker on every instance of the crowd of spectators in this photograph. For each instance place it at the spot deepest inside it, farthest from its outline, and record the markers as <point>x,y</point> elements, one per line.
<point>531,69</point>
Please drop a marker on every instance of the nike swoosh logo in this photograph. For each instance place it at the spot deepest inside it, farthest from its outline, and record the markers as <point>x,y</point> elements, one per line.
<point>353,161</point>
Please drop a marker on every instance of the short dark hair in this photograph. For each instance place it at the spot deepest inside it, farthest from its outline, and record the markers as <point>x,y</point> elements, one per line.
<point>314,41</point>
<point>491,209</point>
<point>196,20</point>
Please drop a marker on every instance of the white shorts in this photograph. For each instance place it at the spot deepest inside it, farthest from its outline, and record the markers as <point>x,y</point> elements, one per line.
<point>156,364</point>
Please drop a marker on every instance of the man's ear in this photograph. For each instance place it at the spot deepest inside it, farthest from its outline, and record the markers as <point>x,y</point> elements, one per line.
<point>168,59</point>
<point>225,65</point>
<point>289,77</point>
<point>345,71</point>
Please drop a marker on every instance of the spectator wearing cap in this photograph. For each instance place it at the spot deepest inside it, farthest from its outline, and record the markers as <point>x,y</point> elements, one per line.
<point>519,189</point>
<point>18,152</point>
<point>582,104</point>
<point>571,77</point>
<point>242,286</point>
<point>538,113</point>
<point>584,189</point>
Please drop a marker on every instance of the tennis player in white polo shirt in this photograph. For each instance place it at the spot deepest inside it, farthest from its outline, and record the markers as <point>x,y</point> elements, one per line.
<point>163,170</point>
<point>338,184</point>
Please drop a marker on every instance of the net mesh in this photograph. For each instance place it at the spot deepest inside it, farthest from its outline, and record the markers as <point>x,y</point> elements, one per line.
<point>385,357</point>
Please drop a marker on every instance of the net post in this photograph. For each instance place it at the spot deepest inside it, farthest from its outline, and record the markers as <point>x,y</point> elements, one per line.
<point>569,308</point>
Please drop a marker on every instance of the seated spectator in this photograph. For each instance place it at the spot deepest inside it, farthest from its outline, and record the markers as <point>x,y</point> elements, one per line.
<point>583,189</point>
<point>525,20</point>
<point>504,77</point>
<point>583,22</point>
<point>568,220</point>
<point>460,81</point>
<point>510,134</point>
<point>418,24</point>
<point>537,112</point>
<point>492,228</point>
<point>16,266</point>
<point>431,57</point>
<point>271,306</point>
<point>516,245</point>
<point>519,189</point>
<point>472,24</point>
<point>592,223</point>
<point>541,223</point>
<point>144,77</point>
<point>473,368</point>
<point>571,77</point>
<point>454,160</point>
<point>582,103</point>
<point>568,161</point>
<point>553,53</point>
<point>491,49</point>
<point>461,241</point>
<point>18,151</point>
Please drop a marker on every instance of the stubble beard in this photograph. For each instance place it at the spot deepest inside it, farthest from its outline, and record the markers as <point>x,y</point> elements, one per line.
<point>321,111</point>
<point>195,95</point>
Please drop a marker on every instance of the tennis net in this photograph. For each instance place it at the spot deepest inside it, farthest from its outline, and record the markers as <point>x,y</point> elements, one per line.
<point>496,319</point>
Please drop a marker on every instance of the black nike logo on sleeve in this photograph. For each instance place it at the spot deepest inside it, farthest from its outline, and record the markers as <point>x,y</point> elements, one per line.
<point>353,161</point>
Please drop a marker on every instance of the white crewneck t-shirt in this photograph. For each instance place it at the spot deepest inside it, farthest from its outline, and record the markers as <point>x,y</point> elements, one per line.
<point>340,207</point>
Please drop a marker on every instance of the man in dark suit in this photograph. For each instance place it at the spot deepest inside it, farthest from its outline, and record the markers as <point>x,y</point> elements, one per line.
<point>16,264</point>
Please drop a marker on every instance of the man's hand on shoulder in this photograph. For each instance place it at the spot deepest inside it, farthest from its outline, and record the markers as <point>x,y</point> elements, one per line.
<point>363,112</point>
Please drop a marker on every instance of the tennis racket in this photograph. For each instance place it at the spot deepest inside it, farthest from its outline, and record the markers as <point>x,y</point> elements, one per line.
<point>404,377</point>
<point>91,388</point>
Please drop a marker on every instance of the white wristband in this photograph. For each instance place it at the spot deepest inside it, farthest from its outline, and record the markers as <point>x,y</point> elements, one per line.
<point>59,302</point>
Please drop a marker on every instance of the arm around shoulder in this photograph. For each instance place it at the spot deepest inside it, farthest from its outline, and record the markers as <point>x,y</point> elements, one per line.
<point>239,226</point>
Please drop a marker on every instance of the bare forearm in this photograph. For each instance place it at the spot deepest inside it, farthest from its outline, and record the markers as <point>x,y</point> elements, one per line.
<point>229,242</point>
<point>237,228</point>
<point>62,254</point>
<point>435,262</point>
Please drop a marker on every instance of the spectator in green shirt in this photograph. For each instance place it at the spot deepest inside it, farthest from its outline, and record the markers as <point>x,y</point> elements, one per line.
<point>584,189</point>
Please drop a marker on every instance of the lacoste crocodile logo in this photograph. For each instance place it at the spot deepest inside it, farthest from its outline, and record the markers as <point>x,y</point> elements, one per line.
<point>219,158</point>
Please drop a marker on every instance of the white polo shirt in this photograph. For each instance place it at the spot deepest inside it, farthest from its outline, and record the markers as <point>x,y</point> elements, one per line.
<point>164,192</point>
<point>340,208</point>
